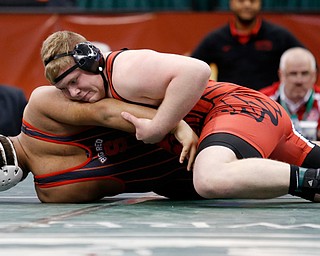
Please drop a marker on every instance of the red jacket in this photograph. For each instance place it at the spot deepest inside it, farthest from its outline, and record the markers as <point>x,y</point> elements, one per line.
<point>308,112</point>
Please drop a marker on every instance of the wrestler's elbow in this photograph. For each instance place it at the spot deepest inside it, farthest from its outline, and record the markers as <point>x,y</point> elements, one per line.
<point>201,73</point>
<point>206,73</point>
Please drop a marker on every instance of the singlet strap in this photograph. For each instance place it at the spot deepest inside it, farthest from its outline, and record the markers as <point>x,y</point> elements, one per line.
<point>83,137</point>
<point>109,68</point>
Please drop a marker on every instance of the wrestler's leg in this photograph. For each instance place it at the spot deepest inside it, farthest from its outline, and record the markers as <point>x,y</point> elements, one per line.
<point>229,167</point>
<point>219,174</point>
<point>266,129</point>
<point>305,163</point>
<point>307,176</point>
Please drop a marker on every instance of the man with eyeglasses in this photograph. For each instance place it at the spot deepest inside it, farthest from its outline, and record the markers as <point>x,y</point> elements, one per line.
<point>297,91</point>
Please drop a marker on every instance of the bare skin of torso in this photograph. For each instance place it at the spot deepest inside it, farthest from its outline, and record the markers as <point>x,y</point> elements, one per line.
<point>44,157</point>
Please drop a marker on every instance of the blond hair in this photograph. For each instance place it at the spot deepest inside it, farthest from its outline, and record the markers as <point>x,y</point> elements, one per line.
<point>57,43</point>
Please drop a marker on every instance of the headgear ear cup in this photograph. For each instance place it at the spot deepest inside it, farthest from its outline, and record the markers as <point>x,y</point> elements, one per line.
<point>9,157</point>
<point>89,57</point>
<point>10,173</point>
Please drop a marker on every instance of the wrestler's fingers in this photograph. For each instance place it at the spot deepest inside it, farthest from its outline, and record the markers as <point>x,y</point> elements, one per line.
<point>129,117</point>
<point>190,154</point>
<point>191,157</point>
<point>184,154</point>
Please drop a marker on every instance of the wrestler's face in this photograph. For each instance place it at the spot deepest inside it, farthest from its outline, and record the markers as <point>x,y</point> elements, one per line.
<point>81,85</point>
<point>298,77</point>
<point>245,10</point>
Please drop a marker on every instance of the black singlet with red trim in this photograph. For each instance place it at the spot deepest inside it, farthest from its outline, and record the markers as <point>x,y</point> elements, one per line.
<point>116,155</point>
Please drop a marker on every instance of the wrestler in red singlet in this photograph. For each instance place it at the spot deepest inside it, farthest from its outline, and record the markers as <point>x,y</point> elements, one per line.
<point>242,119</point>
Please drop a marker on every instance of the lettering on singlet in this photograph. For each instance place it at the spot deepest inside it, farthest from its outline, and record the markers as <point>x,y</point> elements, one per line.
<point>109,148</point>
<point>100,150</point>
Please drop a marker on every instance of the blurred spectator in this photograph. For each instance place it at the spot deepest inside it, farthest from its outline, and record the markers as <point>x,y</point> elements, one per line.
<point>247,50</point>
<point>12,104</point>
<point>297,91</point>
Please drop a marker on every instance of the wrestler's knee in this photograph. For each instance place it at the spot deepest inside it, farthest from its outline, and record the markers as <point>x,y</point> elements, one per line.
<point>212,182</point>
<point>210,173</point>
<point>214,189</point>
<point>201,184</point>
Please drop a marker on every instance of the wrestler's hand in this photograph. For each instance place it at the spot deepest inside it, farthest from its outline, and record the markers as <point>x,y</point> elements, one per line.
<point>183,133</point>
<point>145,130</point>
<point>189,140</point>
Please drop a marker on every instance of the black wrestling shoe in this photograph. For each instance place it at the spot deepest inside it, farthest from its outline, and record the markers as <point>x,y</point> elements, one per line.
<point>310,185</point>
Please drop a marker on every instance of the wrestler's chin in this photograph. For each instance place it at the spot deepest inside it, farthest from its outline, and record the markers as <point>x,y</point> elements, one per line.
<point>92,100</point>
<point>90,97</point>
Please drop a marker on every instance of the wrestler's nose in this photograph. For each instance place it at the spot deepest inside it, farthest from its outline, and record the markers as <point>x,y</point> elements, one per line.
<point>74,92</point>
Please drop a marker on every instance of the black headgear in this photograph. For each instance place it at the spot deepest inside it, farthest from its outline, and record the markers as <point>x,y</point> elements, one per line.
<point>86,56</point>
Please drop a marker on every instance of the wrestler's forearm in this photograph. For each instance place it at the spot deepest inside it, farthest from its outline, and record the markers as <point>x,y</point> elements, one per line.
<point>108,114</point>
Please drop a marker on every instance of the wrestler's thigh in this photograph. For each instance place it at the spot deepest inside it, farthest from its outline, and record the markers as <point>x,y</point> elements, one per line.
<point>212,159</point>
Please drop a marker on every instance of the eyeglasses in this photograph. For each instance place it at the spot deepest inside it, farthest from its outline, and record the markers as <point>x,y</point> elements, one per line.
<point>303,74</point>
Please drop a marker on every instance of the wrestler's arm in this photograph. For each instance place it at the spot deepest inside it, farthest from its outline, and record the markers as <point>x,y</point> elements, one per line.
<point>48,108</point>
<point>174,82</point>
<point>107,113</point>
<point>50,103</point>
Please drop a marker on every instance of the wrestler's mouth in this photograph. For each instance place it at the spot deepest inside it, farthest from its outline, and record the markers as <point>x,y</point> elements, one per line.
<point>86,97</point>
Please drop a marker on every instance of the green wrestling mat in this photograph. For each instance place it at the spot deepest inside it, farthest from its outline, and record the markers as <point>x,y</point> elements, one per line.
<point>149,225</point>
